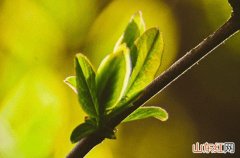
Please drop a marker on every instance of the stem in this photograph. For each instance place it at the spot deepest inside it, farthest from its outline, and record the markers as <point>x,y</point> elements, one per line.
<point>167,77</point>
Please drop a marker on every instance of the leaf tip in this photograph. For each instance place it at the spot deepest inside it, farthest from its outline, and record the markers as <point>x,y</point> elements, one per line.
<point>138,19</point>
<point>78,56</point>
<point>70,81</point>
<point>137,14</point>
<point>166,116</point>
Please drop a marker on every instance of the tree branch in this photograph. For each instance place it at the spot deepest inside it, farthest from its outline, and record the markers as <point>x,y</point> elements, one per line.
<point>166,78</point>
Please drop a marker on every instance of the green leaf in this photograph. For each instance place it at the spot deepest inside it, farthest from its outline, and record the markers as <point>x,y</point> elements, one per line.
<point>86,88</point>
<point>71,82</point>
<point>145,112</point>
<point>82,131</point>
<point>134,29</point>
<point>112,77</point>
<point>146,58</point>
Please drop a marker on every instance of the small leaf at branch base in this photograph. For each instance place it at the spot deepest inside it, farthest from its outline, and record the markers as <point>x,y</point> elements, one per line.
<point>134,29</point>
<point>86,88</point>
<point>71,82</point>
<point>145,112</point>
<point>82,131</point>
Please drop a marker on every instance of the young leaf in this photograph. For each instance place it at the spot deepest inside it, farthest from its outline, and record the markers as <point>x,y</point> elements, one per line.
<point>71,82</point>
<point>82,131</point>
<point>146,59</point>
<point>134,29</point>
<point>85,81</point>
<point>145,112</point>
<point>112,77</point>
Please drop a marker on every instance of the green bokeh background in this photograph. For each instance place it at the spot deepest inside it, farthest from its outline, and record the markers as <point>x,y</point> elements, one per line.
<point>38,41</point>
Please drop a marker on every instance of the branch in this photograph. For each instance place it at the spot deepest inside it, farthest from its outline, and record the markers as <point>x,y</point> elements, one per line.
<point>166,78</point>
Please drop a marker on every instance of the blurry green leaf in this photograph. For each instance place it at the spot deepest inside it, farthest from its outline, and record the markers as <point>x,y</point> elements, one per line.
<point>145,112</point>
<point>112,77</point>
<point>146,59</point>
<point>85,81</point>
<point>39,115</point>
<point>71,82</point>
<point>82,131</point>
<point>133,30</point>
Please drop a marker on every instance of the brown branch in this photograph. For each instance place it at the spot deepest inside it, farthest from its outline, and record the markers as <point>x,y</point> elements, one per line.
<point>171,74</point>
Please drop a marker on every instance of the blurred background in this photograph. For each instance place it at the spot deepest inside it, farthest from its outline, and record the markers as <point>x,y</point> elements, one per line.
<point>38,41</point>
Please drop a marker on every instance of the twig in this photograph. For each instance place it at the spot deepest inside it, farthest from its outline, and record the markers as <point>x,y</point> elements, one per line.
<point>171,74</point>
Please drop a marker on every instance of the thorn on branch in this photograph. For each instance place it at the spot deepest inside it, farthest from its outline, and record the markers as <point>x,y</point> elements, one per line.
<point>236,6</point>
